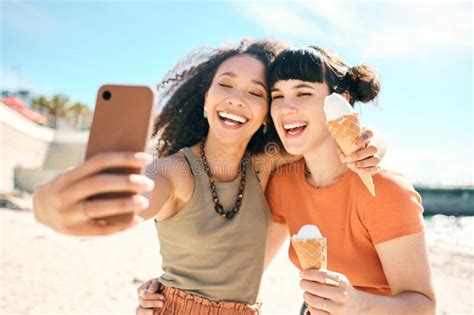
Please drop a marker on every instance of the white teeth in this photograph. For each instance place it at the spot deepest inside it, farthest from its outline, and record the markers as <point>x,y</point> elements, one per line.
<point>294,125</point>
<point>234,117</point>
<point>230,123</point>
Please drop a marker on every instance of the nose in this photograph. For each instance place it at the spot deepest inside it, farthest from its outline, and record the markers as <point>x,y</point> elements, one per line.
<point>287,108</point>
<point>235,99</point>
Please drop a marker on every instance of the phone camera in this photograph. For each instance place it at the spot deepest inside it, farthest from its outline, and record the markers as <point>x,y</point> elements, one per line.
<point>106,95</point>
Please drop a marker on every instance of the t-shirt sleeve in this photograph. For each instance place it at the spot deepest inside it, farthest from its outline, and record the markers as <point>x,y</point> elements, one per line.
<point>395,211</point>
<point>273,198</point>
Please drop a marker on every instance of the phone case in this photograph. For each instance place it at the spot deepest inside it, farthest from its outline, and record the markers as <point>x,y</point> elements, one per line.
<point>122,121</point>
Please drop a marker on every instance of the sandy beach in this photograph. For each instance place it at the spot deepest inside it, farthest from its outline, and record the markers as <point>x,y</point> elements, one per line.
<point>43,272</point>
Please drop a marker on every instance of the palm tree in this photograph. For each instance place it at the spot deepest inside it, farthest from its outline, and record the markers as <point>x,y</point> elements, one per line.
<point>40,104</point>
<point>56,107</point>
<point>79,112</point>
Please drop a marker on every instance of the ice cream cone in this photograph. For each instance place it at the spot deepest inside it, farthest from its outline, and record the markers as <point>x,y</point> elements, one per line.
<point>345,131</point>
<point>312,253</point>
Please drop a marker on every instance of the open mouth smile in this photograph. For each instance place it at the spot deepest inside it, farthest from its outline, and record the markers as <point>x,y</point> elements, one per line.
<point>294,129</point>
<point>231,120</point>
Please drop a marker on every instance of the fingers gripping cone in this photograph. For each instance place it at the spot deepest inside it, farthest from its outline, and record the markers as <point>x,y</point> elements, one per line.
<point>343,124</point>
<point>311,248</point>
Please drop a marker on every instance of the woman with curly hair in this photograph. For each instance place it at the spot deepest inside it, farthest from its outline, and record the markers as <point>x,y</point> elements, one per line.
<point>205,191</point>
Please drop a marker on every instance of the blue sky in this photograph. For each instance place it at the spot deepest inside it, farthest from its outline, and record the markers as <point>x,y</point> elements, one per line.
<point>422,50</point>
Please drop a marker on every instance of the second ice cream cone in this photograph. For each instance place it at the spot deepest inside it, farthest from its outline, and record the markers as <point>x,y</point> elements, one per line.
<point>312,253</point>
<point>345,131</point>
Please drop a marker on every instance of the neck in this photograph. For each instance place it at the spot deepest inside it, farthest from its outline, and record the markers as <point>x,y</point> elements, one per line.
<point>223,158</point>
<point>324,164</point>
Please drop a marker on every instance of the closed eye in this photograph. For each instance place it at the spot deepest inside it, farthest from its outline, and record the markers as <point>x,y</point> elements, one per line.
<point>277,96</point>
<point>304,94</point>
<point>225,85</point>
<point>256,94</point>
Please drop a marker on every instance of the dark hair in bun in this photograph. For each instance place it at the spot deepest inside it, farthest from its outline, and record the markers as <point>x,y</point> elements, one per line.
<point>315,64</point>
<point>365,84</point>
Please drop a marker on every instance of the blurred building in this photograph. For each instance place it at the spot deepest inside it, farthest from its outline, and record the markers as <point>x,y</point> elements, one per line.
<point>30,152</point>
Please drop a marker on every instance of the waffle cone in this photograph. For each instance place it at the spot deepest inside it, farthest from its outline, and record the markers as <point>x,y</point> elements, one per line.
<point>312,253</point>
<point>345,131</point>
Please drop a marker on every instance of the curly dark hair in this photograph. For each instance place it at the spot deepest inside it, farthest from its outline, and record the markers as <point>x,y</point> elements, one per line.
<point>316,64</point>
<point>181,122</point>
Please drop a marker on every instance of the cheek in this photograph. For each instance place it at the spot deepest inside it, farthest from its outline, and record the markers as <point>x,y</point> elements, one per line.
<point>319,128</point>
<point>259,109</point>
<point>274,110</point>
<point>315,110</point>
<point>214,95</point>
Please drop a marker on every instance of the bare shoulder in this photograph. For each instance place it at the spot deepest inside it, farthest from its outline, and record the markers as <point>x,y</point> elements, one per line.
<point>175,169</point>
<point>267,162</point>
<point>174,185</point>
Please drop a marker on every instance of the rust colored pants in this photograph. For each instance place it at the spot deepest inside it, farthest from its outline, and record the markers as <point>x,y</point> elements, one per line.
<point>179,302</point>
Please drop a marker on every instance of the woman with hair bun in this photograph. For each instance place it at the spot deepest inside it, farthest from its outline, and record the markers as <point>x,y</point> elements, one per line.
<point>376,250</point>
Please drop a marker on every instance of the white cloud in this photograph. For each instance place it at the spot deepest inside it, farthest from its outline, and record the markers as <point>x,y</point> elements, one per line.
<point>278,19</point>
<point>372,29</point>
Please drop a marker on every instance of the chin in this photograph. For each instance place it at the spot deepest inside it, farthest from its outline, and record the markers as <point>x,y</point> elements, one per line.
<point>231,137</point>
<point>295,149</point>
<point>293,146</point>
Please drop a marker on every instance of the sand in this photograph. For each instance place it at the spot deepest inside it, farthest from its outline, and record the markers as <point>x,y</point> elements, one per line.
<point>43,272</point>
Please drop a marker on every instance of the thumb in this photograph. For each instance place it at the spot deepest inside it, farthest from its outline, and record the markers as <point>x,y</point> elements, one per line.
<point>341,155</point>
<point>153,287</point>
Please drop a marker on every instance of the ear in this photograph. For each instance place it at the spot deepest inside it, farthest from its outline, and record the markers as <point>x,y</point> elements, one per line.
<point>267,119</point>
<point>205,99</point>
<point>346,95</point>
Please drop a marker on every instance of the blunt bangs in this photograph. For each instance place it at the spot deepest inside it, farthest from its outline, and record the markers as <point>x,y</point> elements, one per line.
<point>303,64</point>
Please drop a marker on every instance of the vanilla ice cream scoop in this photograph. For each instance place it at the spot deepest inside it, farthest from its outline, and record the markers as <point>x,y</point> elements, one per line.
<point>336,106</point>
<point>308,231</point>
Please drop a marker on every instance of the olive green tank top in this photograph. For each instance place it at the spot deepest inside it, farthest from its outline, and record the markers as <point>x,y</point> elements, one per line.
<point>210,256</point>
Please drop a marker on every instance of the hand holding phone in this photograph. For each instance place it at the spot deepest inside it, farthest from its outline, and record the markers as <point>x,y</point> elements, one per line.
<point>122,122</point>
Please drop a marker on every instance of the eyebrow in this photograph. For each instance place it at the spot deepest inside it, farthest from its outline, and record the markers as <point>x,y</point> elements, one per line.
<point>233,75</point>
<point>302,85</point>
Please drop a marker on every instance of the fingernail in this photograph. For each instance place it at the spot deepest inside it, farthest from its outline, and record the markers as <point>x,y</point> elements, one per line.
<point>333,277</point>
<point>365,136</point>
<point>144,157</point>
<point>150,184</point>
<point>143,203</point>
<point>141,180</point>
<point>138,220</point>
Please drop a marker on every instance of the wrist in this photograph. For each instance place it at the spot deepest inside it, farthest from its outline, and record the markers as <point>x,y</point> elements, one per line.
<point>361,302</point>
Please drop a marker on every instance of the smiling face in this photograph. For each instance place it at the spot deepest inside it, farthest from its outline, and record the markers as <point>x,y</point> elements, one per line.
<point>237,100</point>
<point>297,112</point>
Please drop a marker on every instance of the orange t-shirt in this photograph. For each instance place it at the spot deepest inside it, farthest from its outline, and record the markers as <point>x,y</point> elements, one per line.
<point>349,217</point>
